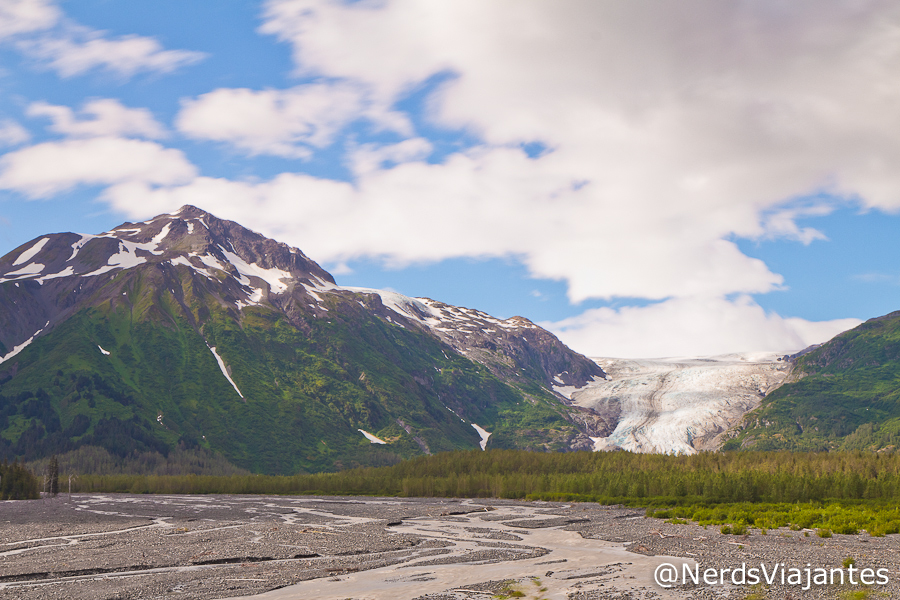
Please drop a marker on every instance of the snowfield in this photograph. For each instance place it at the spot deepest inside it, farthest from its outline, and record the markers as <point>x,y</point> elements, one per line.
<point>677,405</point>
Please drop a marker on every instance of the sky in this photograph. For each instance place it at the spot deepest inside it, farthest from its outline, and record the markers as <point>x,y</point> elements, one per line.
<point>644,179</point>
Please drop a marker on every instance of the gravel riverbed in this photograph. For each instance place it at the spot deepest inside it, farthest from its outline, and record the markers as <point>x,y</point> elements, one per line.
<point>118,546</point>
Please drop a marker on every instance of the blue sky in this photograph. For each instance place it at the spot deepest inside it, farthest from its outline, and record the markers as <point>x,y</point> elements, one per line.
<point>698,179</point>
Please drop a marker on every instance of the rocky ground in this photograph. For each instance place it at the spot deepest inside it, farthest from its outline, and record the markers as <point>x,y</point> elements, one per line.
<point>199,547</point>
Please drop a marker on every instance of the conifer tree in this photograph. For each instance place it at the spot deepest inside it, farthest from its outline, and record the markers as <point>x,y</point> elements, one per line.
<point>53,475</point>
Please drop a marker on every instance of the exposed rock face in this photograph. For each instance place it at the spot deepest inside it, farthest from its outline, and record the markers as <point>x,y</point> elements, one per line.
<point>511,348</point>
<point>678,405</point>
<point>54,275</point>
<point>59,273</point>
<point>189,331</point>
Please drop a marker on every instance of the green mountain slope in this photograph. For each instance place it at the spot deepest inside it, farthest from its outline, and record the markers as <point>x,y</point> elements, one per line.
<point>125,360</point>
<point>843,395</point>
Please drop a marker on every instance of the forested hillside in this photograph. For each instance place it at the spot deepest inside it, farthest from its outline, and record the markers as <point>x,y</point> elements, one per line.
<point>843,395</point>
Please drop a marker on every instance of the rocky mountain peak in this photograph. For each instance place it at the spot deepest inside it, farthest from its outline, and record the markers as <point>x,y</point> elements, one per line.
<point>190,237</point>
<point>136,332</point>
<point>202,238</point>
<point>191,249</point>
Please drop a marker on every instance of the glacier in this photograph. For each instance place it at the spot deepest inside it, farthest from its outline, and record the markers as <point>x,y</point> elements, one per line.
<point>677,405</point>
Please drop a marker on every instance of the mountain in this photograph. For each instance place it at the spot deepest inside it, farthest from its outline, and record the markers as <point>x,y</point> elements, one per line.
<point>841,395</point>
<point>194,335</point>
<point>676,405</point>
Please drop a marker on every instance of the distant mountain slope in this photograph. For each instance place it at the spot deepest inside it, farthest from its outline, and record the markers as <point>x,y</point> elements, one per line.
<point>188,331</point>
<point>842,395</point>
<point>678,405</point>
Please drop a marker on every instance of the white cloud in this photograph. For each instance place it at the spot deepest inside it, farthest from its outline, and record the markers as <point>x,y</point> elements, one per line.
<point>674,129</point>
<point>340,269</point>
<point>25,16</point>
<point>782,223</point>
<point>52,167</point>
<point>281,122</point>
<point>41,31</point>
<point>75,50</point>
<point>106,117</point>
<point>371,157</point>
<point>12,134</point>
<point>690,123</point>
<point>483,204</point>
<point>691,327</point>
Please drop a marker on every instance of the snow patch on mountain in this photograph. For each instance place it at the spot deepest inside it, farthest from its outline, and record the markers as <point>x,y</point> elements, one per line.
<point>186,261</point>
<point>484,436</point>
<point>411,308</point>
<point>372,439</point>
<point>224,370</point>
<point>183,260</point>
<point>210,261</point>
<point>20,347</point>
<point>125,258</point>
<point>437,315</point>
<point>84,239</point>
<point>30,252</point>
<point>677,405</point>
<point>70,270</point>
<point>273,276</point>
<point>567,390</point>
<point>32,269</point>
<point>159,237</point>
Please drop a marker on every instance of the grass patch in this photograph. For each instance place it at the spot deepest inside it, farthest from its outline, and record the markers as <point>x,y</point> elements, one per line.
<point>828,517</point>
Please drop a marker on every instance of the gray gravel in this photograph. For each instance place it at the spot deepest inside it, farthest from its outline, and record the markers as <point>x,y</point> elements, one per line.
<point>199,547</point>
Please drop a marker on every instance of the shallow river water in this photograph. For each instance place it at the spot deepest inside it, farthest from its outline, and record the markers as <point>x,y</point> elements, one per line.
<point>572,563</point>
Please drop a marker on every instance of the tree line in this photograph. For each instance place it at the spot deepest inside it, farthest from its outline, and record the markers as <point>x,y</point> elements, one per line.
<point>17,482</point>
<point>609,478</point>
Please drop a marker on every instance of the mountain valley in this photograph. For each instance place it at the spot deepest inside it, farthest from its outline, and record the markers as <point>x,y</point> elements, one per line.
<point>190,343</point>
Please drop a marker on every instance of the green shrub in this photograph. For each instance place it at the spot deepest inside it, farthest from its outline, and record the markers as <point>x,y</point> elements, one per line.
<point>857,595</point>
<point>758,593</point>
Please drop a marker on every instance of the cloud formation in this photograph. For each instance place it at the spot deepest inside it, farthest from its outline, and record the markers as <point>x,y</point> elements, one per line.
<point>491,203</point>
<point>677,127</point>
<point>287,123</point>
<point>41,31</point>
<point>98,161</point>
<point>79,50</point>
<point>104,117</point>
<point>12,134</point>
<point>691,327</point>
<point>97,151</point>
<point>25,16</point>
<point>670,130</point>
